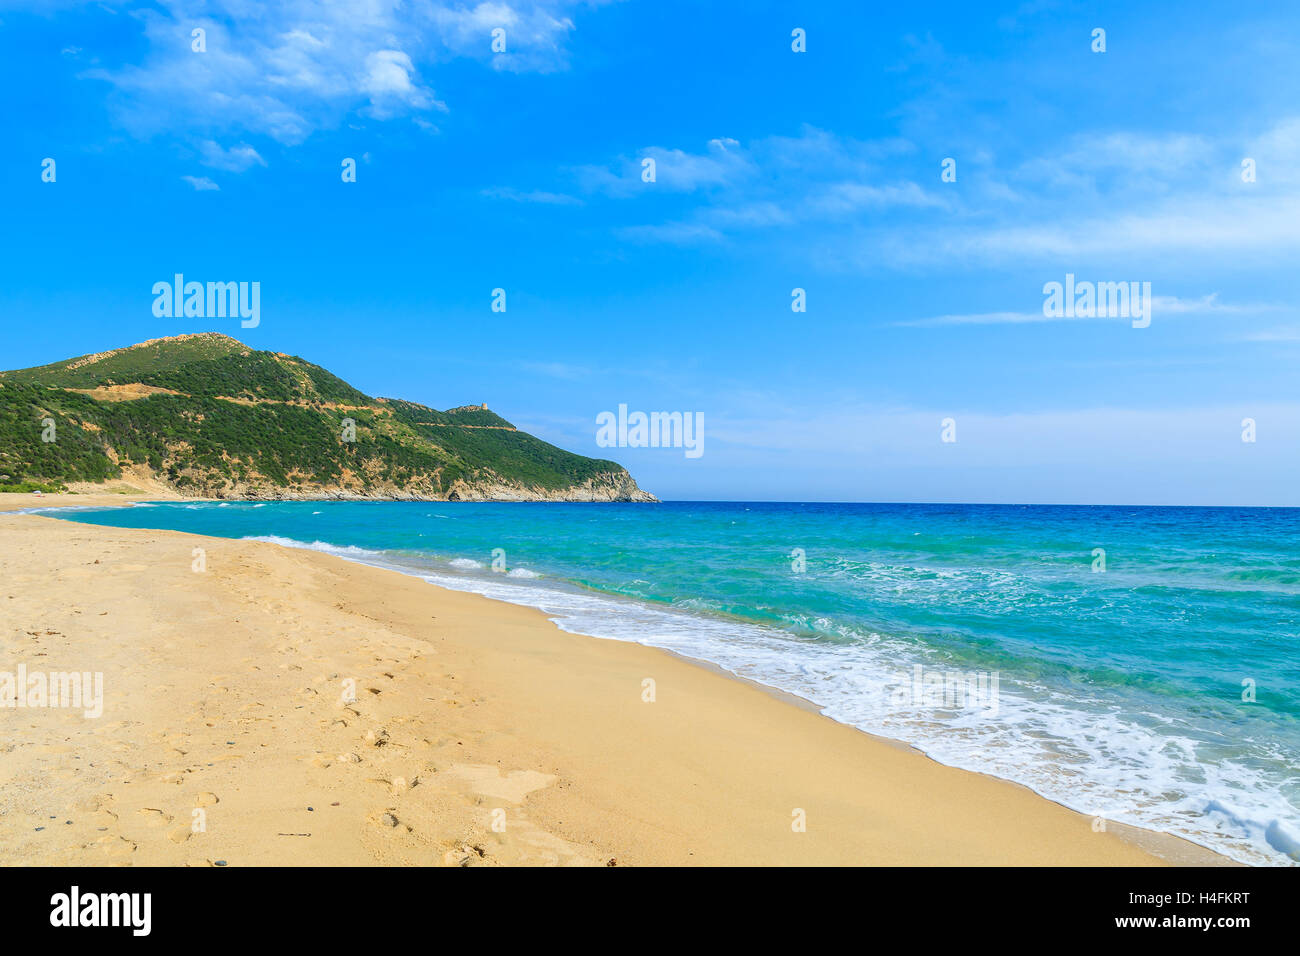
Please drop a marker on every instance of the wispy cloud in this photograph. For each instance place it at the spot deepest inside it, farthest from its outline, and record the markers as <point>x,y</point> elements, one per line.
<point>1190,225</point>
<point>532,196</point>
<point>1211,305</point>
<point>775,181</point>
<point>533,35</point>
<point>677,233</point>
<point>1273,335</point>
<point>236,159</point>
<point>201,183</point>
<point>722,163</point>
<point>847,198</point>
<point>1115,196</point>
<point>1161,305</point>
<point>1120,197</point>
<point>980,318</point>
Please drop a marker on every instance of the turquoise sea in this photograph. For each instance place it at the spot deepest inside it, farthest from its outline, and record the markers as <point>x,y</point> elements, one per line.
<point>1162,691</point>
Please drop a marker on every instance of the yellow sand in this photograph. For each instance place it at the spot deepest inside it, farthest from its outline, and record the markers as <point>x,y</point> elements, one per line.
<point>480,733</point>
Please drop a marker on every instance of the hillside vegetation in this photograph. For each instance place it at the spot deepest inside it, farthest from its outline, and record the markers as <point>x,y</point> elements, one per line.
<point>208,416</point>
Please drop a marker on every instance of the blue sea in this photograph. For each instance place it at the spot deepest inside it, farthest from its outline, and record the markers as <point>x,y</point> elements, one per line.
<point>1155,681</point>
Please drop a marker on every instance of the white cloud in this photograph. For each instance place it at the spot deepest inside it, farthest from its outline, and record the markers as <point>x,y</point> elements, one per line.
<point>1210,305</point>
<point>846,198</point>
<point>776,181</point>
<point>284,70</point>
<point>722,163</point>
<point>390,83</point>
<point>201,183</point>
<point>1153,203</point>
<point>676,233</point>
<point>532,196</point>
<point>1281,335</point>
<point>1186,225</point>
<point>235,160</point>
<point>1148,204</point>
<point>1161,306</point>
<point>1142,161</point>
<point>534,33</point>
<point>388,73</point>
<point>982,318</point>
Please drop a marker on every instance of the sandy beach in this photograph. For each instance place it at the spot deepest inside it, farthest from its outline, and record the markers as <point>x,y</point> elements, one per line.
<point>286,707</point>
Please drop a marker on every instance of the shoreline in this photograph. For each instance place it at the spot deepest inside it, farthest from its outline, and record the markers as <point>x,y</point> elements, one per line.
<point>1171,848</point>
<point>836,765</point>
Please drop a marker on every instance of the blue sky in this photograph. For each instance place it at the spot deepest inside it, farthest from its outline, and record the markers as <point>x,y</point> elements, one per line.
<point>775,170</point>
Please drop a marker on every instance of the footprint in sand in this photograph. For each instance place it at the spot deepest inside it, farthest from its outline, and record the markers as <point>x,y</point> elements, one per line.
<point>464,855</point>
<point>388,820</point>
<point>114,847</point>
<point>488,781</point>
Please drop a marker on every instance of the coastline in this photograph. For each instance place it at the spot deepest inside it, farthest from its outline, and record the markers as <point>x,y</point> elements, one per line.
<point>465,706</point>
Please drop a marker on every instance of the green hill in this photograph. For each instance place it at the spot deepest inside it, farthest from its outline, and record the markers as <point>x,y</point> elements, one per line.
<point>208,416</point>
